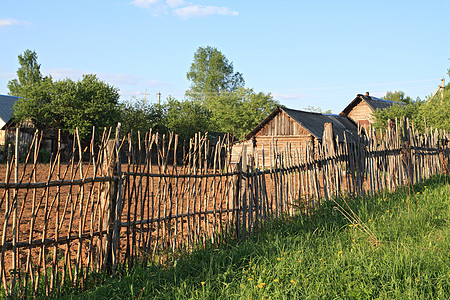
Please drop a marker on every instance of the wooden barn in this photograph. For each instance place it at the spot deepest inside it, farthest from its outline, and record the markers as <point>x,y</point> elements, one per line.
<point>6,113</point>
<point>361,108</point>
<point>286,126</point>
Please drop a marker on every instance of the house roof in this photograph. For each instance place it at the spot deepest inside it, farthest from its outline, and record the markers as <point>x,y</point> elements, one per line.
<point>7,107</point>
<point>373,102</point>
<point>313,122</point>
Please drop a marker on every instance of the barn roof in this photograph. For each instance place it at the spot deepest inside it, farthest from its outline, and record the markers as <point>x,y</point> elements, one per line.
<point>6,107</point>
<point>373,102</point>
<point>313,122</point>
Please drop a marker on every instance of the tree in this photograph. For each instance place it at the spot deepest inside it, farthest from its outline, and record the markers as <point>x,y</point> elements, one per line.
<point>397,96</point>
<point>141,116</point>
<point>64,104</point>
<point>85,103</point>
<point>432,112</point>
<point>397,111</point>
<point>436,111</point>
<point>29,74</point>
<point>240,111</point>
<point>211,74</point>
<point>186,117</point>
<point>67,104</point>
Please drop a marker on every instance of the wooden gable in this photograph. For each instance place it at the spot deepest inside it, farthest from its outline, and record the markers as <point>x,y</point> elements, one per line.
<point>282,124</point>
<point>361,113</point>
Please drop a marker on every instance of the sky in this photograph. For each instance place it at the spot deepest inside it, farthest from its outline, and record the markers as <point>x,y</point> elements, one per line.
<point>305,53</point>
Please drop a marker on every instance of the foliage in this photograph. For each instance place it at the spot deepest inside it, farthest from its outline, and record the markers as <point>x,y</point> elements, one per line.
<point>186,117</point>
<point>84,104</point>
<point>240,111</point>
<point>320,256</point>
<point>434,112</point>
<point>142,116</point>
<point>215,86</point>
<point>211,74</point>
<point>67,104</point>
<point>397,96</point>
<point>29,74</point>
<point>64,104</point>
<point>397,111</point>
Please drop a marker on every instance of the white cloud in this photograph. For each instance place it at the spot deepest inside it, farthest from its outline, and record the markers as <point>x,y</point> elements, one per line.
<point>182,8</point>
<point>145,3</point>
<point>175,3</point>
<point>8,76</point>
<point>12,22</point>
<point>203,11</point>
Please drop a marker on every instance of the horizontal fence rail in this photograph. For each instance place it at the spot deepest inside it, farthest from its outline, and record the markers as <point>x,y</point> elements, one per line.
<point>125,200</point>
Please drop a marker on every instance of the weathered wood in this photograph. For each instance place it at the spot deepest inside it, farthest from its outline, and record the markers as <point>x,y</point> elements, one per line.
<point>107,203</point>
<point>169,206</point>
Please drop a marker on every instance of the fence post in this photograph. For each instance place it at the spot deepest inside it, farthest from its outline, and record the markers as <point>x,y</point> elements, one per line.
<point>406,152</point>
<point>118,201</point>
<point>235,191</point>
<point>108,203</point>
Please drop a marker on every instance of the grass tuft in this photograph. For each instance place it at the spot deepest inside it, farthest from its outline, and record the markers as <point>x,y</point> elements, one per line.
<point>384,249</point>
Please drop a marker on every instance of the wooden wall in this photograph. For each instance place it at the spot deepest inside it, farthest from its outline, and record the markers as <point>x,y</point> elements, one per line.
<point>361,112</point>
<point>282,124</point>
<point>279,133</point>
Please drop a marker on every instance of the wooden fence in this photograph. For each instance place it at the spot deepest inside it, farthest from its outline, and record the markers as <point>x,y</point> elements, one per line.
<point>135,199</point>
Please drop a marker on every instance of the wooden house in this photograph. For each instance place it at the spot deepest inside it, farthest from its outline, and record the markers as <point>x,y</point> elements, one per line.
<point>6,113</point>
<point>360,110</point>
<point>292,127</point>
<point>27,129</point>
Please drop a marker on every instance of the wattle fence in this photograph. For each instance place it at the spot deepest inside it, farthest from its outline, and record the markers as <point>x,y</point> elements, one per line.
<point>134,199</point>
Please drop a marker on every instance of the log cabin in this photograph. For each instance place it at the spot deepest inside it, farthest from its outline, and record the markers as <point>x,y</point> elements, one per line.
<point>6,113</point>
<point>360,110</point>
<point>285,126</point>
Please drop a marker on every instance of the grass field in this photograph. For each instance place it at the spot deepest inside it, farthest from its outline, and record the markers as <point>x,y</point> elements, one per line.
<point>406,256</point>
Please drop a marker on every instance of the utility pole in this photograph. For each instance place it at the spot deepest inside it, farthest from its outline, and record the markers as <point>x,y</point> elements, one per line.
<point>145,96</point>
<point>441,87</point>
<point>159,98</point>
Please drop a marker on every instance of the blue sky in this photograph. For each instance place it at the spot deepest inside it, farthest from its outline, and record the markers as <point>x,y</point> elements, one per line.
<point>306,53</point>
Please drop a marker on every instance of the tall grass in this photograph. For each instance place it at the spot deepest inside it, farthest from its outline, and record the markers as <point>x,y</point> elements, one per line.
<point>319,257</point>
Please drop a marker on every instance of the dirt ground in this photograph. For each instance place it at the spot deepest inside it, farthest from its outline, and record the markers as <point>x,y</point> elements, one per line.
<point>71,211</point>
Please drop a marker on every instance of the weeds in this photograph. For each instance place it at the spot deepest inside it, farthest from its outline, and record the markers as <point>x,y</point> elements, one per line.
<point>326,255</point>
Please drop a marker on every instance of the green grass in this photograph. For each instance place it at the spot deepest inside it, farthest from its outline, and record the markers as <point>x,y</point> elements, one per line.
<point>319,257</point>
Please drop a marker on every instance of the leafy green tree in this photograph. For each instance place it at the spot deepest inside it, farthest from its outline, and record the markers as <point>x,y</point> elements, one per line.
<point>29,74</point>
<point>406,107</point>
<point>141,116</point>
<point>186,117</point>
<point>64,104</point>
<point>211,74</point>
<point>397,111</point>
<point>67,104</point>
<point>219,92</point>
<point>433,112</point>
<point>85,103</point>
<point>35,106</point>
<point>436,111</point>
<point>240,111</point>
<point>397,96</point>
